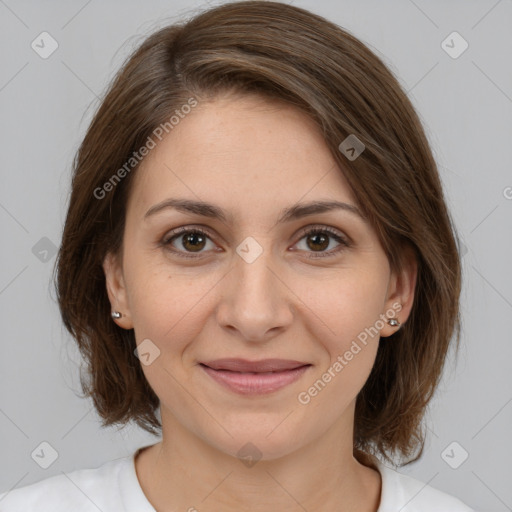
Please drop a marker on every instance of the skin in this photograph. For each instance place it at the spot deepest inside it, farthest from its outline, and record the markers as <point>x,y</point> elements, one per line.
<point>252,158</point>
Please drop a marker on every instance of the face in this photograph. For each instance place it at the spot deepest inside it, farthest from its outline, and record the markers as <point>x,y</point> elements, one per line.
<point>251,285</point>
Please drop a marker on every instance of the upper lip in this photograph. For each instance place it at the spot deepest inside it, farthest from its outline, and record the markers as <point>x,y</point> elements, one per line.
<point>244,365</point>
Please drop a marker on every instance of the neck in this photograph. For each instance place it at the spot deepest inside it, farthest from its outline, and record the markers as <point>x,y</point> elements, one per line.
<point>183,472</point>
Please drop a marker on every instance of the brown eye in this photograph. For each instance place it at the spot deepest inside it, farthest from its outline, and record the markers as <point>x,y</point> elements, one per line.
<point>187,241</point>
<point>319,239</point>
<point>193,241</point>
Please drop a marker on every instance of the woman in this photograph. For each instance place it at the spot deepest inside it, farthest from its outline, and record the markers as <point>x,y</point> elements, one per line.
<point>257,263</point>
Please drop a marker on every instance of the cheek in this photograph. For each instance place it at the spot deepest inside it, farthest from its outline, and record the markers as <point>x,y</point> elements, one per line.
<point>344,303</point>
<point>349,356</point>
<point>344,316</point>
<point>167,305</point>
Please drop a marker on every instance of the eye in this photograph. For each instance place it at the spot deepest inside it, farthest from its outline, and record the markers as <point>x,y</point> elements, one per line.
<point>193,240</point>
<point>318,239</point>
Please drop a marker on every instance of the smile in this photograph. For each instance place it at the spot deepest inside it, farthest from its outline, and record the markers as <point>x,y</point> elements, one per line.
<point>266,378</point>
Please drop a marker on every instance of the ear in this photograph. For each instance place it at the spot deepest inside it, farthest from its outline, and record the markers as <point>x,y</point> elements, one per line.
<point>116,290</point>
<point>400,297</point>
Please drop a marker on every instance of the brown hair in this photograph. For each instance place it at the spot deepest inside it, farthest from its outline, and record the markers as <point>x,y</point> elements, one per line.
<point>289,54</point>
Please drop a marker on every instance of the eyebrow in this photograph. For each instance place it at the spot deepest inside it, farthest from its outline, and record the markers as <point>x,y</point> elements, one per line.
<point>294,212</point>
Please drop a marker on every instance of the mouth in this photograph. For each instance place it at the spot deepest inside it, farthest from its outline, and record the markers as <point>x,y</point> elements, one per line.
<point>254,377</point>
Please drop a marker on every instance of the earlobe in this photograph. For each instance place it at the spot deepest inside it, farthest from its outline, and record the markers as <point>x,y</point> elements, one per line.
<point>116,291</point>
<point>401,294</point>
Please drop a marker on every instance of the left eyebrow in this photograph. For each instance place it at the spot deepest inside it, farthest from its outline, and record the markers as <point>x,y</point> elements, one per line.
<point>304,209</point>
<point>294,212</point>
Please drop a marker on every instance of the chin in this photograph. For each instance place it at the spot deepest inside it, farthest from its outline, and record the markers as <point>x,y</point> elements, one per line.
<point>253,443</point>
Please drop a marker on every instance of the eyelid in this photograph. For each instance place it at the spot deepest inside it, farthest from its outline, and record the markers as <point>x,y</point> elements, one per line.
<point>206,231</point>
<point>173,233</point>
<point>324,227</point>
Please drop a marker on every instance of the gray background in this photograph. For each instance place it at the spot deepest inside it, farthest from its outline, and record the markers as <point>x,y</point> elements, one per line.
<point>46,104</point>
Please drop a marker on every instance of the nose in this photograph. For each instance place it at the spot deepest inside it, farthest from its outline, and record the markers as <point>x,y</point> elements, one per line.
<point>256,304</point>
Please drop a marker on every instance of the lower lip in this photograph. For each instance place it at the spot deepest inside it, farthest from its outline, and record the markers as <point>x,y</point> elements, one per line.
<point>255,383</point>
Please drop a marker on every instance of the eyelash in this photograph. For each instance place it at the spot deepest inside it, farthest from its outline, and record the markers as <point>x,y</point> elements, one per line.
<point>166,242</point>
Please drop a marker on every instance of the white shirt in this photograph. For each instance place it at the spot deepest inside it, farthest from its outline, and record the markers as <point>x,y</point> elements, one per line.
<point>114,487</point>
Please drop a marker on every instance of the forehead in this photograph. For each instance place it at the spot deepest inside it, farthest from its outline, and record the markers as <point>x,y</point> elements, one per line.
<point>243,153</point>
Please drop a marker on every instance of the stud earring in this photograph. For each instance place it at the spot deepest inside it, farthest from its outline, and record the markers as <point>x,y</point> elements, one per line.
<point>116,314</point>
<point>394,322</point>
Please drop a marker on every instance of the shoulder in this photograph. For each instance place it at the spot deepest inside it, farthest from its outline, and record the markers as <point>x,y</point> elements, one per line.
<point>407,494</point>
<point>81,490</point>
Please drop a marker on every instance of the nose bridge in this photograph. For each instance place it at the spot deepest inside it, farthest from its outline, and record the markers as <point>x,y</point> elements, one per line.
<point>252,270</point>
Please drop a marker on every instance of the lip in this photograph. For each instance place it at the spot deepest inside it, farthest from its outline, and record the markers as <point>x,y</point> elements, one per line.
<point>254,377</point>
<point>245,365</point>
